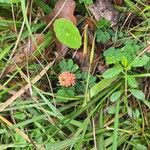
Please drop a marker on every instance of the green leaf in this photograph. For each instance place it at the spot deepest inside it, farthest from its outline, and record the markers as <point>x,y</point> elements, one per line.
<point>67,33</point>
<point>86,1</point>
<point>101,86</point>
<point>128,52</point>
<point>10,1</point>
<point>140,147</point>
<point>141,61</point>
<point>147,66</point>
<point>147,103</point>
<point>112,56</point>
<point>70,64</point>
<point>124,61</point>
<point>132,82</point>
<point>62,93</point>
<point>137,94</point>
<point>70,93</point>
<point>110,73</point>
<point>74,68</point>
<point>112,110</point>
<point>78,75</point>
<point>115,96</point>
<point>130,112</point>
<point>63,65</point>
<point>19,139</point>
<point>103,23</point>
<point>137,113</point>
<point>65,94</point>
<point>102,36</point>
<point>19,115</point>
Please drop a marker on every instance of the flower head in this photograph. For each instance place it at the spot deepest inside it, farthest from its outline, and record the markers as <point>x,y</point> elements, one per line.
<point>67,79</point>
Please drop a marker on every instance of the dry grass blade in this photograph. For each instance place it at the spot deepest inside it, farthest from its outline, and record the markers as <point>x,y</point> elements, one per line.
<point>16,129</point>
<point>9,91</point>
<point>21,133</point>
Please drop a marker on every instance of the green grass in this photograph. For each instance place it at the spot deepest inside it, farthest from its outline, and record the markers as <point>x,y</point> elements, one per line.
<point>38,113</point>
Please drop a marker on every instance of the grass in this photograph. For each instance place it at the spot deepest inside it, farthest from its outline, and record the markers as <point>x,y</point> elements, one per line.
<point>37,113</point>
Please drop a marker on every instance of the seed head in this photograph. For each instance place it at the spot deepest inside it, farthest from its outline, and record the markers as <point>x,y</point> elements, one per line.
<point>67,79</point>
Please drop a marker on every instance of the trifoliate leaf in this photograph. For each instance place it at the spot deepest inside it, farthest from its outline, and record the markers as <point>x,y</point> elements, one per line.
<point>102,36</point>
<point>102,23</point>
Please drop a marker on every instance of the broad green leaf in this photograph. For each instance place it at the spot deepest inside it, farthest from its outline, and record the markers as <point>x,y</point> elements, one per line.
<point>137,94</point>
<point>115,96</point>
<point>67,33</point>
<point>140,62</point>
<point>101,86</point>
<point>147,103</point>
<point>110,73</point>
<point>132,82</point>
<point>140,147</point>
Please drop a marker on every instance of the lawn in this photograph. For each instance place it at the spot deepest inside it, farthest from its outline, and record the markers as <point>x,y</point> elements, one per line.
<point>74,75</point>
